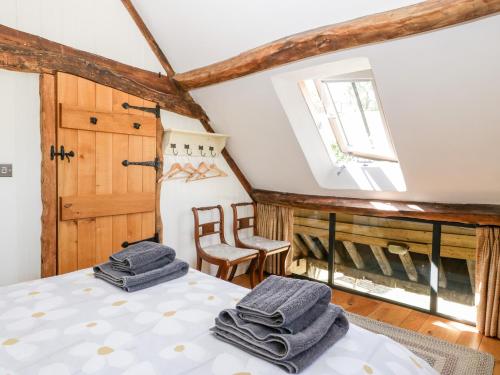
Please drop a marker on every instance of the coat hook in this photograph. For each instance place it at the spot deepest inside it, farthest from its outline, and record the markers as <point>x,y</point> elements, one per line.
<point>200,147</point>
<point>211,149</point>
<point>173,147</point>
<point>188,152</point>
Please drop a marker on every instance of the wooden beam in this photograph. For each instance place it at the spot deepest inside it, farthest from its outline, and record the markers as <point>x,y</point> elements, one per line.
<point>354,254</point>
<point>311,245</point>
<point>149,37</point>
<point>299,245</point>
<point>337,257</point>
<point>420,248</point>
<point>25,52</point>
<point>419,18</point>
<point>484,214</point>
<point>204,119</point>
<point>408,265</point>
<point>48,175</point>
<point>385,266</point>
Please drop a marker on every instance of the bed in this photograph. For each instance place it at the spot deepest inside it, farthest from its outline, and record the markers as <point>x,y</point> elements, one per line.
<point>74,323</point>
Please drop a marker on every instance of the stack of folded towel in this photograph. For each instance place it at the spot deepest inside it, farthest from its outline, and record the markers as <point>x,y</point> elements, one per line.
<point>285,321</point>
<point>141,266</point>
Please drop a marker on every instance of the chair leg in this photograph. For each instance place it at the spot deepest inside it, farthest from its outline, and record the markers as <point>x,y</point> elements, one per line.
<point>223,271</point>
<point>251,271</point>
<point>283,256</point>
<point>262,261</point>
<point>198,263</point>
<point>233,272</point>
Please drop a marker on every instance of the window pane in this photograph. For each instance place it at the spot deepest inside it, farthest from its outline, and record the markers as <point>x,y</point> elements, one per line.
<point>457,272</point>
<point>310,242</point>
<point>349,114</point>
<point>384,257</point>
<point>378,137</point>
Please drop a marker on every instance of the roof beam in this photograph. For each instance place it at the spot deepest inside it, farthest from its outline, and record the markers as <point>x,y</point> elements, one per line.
<point>483,214</point>
<point>419,18</point>
<point>204,119</point>
<point>25,52</point>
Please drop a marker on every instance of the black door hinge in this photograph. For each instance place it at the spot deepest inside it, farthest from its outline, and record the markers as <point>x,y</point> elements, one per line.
<point>155,110</point>
<point>156,164</point>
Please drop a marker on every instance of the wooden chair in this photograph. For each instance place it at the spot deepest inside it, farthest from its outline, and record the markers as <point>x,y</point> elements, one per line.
<point>265,246</point>
<point>225,256</point>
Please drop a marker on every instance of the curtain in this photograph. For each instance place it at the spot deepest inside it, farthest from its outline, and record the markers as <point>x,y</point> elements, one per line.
<point>276,223</point>
<point>488,280</point>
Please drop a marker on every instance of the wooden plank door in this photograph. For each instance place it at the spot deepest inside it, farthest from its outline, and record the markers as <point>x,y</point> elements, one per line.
<point>102,203</point>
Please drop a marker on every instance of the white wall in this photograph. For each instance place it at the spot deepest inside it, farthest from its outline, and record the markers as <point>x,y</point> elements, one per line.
<point>103,27</point>
<point>178,197</point>
<point>20,196</point>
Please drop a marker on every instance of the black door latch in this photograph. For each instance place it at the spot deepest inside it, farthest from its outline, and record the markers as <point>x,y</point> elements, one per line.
<point>62,153</point>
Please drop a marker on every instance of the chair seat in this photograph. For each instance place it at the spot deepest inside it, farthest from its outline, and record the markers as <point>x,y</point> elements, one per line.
<point>257,242</point>
<point>228,252</point>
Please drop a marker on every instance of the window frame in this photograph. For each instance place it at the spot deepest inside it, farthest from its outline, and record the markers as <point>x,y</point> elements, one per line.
<point>337,127</point>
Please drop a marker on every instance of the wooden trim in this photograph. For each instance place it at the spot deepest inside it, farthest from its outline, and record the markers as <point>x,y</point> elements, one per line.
<point>91,206</point>
<point>482,214</point>
<point>48,175</point>
<point>419,18</point>
<point>25,52</point>
<point>204,119</point>
<point>159,173</point>
<point>73,117</point>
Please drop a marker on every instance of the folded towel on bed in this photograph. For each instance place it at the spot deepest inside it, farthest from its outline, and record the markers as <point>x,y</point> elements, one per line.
<point>293,352</point>
<point>285,303</point>
<point>142,257</point>
<point>132,283</point>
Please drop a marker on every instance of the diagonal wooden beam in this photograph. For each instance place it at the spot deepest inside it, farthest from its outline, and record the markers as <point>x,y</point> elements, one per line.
<point>162,58</point>
<point>419,18</point>
<point>25,52</point>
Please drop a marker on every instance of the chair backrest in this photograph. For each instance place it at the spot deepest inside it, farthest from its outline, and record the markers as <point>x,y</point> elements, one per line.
<point>240,223</point>
<point>209,228</point>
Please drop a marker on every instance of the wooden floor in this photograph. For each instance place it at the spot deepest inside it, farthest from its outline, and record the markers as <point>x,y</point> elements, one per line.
<point>404,317</point>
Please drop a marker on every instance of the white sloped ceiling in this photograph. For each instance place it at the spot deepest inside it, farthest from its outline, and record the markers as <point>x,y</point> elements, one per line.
<point>440,92</point>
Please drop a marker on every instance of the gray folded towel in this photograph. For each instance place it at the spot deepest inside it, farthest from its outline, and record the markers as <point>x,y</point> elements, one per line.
<point>129,283</point>
<point>292,352</point>
<point>142,257</point>
<point>285,303</point>
<point>147,267</point>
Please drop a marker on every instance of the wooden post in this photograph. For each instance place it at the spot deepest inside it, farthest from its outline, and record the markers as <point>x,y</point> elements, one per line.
<point>49,175</point>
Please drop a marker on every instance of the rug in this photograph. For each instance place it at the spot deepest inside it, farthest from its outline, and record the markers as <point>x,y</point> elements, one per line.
<point>444,357</point>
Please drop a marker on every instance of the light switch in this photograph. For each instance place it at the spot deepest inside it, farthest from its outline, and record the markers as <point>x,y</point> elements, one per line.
<point>5,170</point>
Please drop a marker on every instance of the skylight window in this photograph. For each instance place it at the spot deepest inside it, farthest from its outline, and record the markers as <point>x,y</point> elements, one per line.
<point>352,109</point>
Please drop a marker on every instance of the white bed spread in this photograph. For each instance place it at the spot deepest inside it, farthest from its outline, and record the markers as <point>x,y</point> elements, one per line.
<point>75,324</point>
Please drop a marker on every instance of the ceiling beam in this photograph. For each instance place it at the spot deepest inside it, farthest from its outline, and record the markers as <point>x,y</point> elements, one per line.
<point>483,214</point>
<point>162,58</point>
<point>419,18</point>
<point>25,52</point>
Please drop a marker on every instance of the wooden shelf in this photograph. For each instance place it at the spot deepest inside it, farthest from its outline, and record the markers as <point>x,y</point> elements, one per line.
<point>212,143</point>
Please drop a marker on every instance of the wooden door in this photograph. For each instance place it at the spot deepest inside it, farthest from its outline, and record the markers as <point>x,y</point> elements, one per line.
<point>102,203</point>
